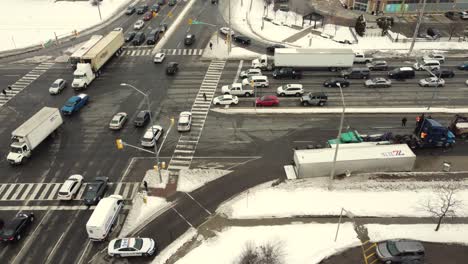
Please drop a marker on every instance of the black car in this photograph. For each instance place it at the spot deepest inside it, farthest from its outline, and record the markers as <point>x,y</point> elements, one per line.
<point>334,82</point>
<point>453,15</point>
<point>13,230</point>
<point>172,2</point>
<point>242,39</point>
<point>139,39</point>
<point>443,73</point>
<point>161,2</point>
<point>130,35</point>
<point>155,8</point>
<point>172,68</point>
<point>271,49</point>
<point>130,10</point>
<point>95,190</point>
<point>189,39</point>
<point>142,9</point>
<point>434,33</point>
<point>287,73</point>
<point>153,36</point>
<point>142,118</point>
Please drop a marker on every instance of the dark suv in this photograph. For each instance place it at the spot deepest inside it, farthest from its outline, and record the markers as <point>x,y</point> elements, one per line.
<point>95,190</point>
<point>139,39</point>
<point>189,39</point>
<point>13,229</point>
<point>400,251</point>
<point>287,72</point>
<point>153,36</point>
<point>319,99</point>
<point>172,68</point>
<point>142,9</point>
<point>356,73</point>
<point>142,118</point>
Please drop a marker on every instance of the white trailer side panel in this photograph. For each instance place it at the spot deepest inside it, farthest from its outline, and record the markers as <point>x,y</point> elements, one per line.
<point>39,126</point>
<point>79,53</point>
<point>379,158</point>
<point>104,49</point>
<point>314,58</point>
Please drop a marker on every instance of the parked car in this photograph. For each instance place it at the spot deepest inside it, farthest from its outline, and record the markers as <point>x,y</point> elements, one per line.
<point>70,187</point>
<point>431,82</point>
<point>226,99</point>
<point>463,66</point>
<point>378,65</point>
<point>189,39</point>
<point>453,15</point>
<point>271,49</point>
<point>172,68</point>
<point>378,83</point>
<point>131,247</point>
<point>142,118</point>
<point>15,228</point>
<point>95,190</point>
<point>139,39</point>
<point>129,36</point>
<point>159,57</point>
<point>155,8</point>
<point>152,136</point>
<point>287,73</point>
<point>148,16</point>
<point>250,72</point>
<point>139,24</point>
<point>57,86</point>
<point>356,73</point>
<point>242,39</point>
<point>290,89</point>
<point>442,73</point>
<point>142,9</point>
<point>185,121</point>
<point>334,82</point>
<point>400,251</point>
<point>226,31</point>
<point>433,33</point>
<point>130,10</point>
<point>267,100</point>
<point>118,121</point>
<point>74,104</point>
<point>319,99</point>
<point>435,56</point>
<point>172,2</point>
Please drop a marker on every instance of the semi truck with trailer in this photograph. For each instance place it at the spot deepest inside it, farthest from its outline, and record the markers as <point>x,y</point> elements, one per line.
<point>92,61</point>
<point>77,56</point>
<point>331,59</point>
<point>32,132</point>
<point>359,158</point>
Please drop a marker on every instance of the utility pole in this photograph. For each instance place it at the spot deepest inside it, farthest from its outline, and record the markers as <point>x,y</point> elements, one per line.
<point>416,30</point>
<point>99,9</point>
<point>229,36</point>
<point>332,173</point>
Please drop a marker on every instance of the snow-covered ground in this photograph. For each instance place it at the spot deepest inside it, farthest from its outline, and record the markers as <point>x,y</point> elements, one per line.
<point>164,255</point>
<point>312,197</point>
<point>29,22</point>
<point>190,180</point>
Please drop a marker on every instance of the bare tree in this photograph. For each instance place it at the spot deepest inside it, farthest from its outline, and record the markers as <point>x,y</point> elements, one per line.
<point>444,204</point>
<point>454,27</point>
<point>268,253</point>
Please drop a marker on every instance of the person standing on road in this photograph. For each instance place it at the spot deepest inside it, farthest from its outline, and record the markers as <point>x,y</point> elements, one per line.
<point>211,46</point>
<point>4,92</point>
<point>204,97</point>
<point>145,184</point>
<point>9,87</point>
<point>403,121</point>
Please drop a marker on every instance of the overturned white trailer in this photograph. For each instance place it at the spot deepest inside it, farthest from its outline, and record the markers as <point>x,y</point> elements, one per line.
<point>375,158</point>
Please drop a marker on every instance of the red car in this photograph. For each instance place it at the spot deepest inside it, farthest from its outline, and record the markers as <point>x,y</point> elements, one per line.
<point>267,100</point>
<point>148,16</point>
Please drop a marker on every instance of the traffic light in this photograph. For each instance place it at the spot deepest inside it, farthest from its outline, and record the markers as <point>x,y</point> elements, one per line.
<point>172,121</point>
<point>119,143</point>
<point>190,21</point>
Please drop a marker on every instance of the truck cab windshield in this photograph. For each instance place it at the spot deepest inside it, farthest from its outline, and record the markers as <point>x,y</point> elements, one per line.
<point>79,76</point>
<point>16,150</point>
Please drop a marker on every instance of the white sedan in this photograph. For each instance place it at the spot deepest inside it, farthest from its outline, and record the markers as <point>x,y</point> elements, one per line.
<point>118,121</point>
<point>226,31</point>
<point>159,57</point>
<point>226,99</point>
<point>431,82</point>
<point>139,24</point>
<point>70,187</point>
<point>131,247</point>
<point>435,56</point>
<point>57,86</point>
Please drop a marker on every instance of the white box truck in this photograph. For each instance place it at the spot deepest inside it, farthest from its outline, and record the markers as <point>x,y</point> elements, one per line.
<point>92,61</point>
<point>77,56</point>
<point>332,59</point>
<point>104,217</point>
<point>377,158</point>
<point>32,132</point>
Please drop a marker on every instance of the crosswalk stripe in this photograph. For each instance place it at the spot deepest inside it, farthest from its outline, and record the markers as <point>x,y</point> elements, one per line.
<point>126,190</point>
<point>26,192</point>
<point>174,52</point>
<point>117,190</point>
<point>36,190</point>
<point>44,192</point>
<point>2,187</point>
<point>4,197</point>
<point>54,191</point>
<point>17,192</point>
<point>133,53</point>
<point>134,190</point>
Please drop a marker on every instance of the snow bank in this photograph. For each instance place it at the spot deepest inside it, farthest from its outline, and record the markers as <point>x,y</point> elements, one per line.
<point>190,180</point>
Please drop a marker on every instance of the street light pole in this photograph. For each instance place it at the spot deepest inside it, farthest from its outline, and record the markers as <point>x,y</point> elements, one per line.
<point>416,30</point>
<point>99,9</point>
<point>332,173</point>
<point>151,122</point>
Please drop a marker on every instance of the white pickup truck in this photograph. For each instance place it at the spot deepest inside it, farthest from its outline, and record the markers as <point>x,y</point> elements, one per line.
<point>360,57</point>
<point>237,89</point>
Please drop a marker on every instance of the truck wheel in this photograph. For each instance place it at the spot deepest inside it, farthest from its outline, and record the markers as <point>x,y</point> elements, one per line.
<point>298,94</point>
<point>305,103</point>
<point>117,255</point>
<point>321,104</point>
<point>247,94</point>
<point>329,86</point>
<point>282,94</point>
<point>226,93</point>
<point>85,85</point>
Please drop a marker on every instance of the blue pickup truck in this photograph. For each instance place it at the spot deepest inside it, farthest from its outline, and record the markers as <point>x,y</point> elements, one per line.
<point>74,104</point>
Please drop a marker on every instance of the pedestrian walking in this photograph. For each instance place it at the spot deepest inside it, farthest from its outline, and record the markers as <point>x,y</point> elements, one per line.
<point>204,97</point>
<point>4,92</point>
<point>9,87</point>
<point>211,45</point>
<point>403,121</point>
<point>145,184</point>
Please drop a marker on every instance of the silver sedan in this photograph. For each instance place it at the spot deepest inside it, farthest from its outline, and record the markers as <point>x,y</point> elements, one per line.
<point>431,82</point>
<point>378,83</point>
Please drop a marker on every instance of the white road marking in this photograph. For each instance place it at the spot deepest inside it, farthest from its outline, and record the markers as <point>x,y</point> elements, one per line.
<point>238,71</point>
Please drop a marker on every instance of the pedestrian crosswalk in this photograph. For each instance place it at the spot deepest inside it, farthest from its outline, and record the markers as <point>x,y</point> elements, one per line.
<point>49,191</point>
<point>187,144</point>
<point>136,52</point>
<point>22,83</point>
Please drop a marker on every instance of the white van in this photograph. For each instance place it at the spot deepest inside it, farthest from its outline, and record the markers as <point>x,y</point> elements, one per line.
<point>427,65</point>
<point>257,81</point>
<point>104,217</point>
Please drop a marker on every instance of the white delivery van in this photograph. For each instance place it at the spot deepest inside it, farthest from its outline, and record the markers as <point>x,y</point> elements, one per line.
<point>104,217</point>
